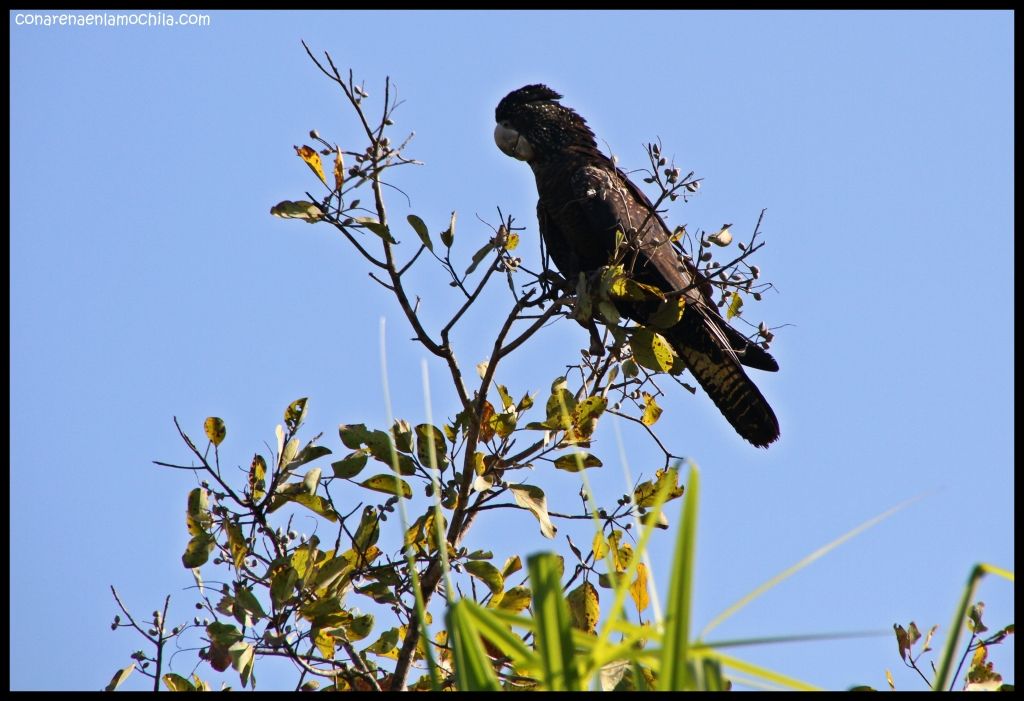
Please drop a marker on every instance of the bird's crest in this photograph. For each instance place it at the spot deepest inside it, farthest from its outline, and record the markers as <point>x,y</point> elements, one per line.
<point>524,96</point>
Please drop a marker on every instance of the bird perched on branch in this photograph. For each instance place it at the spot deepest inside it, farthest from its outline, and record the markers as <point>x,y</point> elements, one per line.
<point>589,212</point>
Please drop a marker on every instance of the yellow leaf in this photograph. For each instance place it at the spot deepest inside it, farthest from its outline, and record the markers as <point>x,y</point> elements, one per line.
<point>388,484</point>
<point>652,412</point>
<point>312,159</point>
<point>486,425</point>
<point>652,350</point>
<point>584,607</point>
<point>215,429</point>
<point>735,304</point>
<point>339,168</point>
<point>515,599</point>
<point>638,589</point>
<point>600,546</point>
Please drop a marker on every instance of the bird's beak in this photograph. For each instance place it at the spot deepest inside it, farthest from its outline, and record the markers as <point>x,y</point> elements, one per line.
<point>512,143</point>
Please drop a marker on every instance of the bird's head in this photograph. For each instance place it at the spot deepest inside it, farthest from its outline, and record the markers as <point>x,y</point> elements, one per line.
<point>533,126</point>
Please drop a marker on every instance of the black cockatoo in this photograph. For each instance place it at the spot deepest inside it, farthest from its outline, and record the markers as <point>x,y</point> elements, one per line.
<point>583,201</point>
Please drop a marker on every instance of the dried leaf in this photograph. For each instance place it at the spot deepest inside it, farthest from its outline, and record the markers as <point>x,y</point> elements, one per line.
<point>312,159</point>
<point>534,499</point>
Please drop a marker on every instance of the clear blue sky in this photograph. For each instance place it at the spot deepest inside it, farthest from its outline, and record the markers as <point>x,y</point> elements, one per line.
<point>149,281</point>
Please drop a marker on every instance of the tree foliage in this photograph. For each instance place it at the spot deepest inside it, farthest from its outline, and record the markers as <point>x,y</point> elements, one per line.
<point>351,614</point>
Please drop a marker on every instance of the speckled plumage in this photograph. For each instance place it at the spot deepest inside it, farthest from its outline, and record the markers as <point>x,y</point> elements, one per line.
<point>583,200</point>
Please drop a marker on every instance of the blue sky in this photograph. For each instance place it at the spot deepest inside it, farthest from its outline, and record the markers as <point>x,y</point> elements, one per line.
<point>149,281</point>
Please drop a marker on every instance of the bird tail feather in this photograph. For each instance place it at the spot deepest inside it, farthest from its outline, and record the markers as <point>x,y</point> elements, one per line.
<point>736,396</point>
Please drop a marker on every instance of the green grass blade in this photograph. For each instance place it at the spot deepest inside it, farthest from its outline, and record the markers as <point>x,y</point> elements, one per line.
<point>820,552</point>
<point>498,633</point>
<point>758,672</point>
<point>553,630</point>
<point>473,671</point>
<point>942,676</point>
<point>674,672</point>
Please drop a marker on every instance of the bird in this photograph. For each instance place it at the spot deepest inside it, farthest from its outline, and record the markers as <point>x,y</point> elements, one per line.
<point>584,203</point>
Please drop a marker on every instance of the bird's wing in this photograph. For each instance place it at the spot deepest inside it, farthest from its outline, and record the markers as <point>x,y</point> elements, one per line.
<point>711,349</point>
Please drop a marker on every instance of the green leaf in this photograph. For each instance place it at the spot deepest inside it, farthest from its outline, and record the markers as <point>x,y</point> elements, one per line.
<point>402,433</point>
<point>560,406</point>
<point>735,304</point>
<point>668,313</point>
<point>651,350</point>
<point>175,682</point>
<point>479,256</point>
<point>223,634</point>
<point>350,466</point>
<point>119,677</point>
<point>353,435</point>
<point>307,211</point>
<point>242,658</point>
<point>506,398</point>
<point>309,454</point>
<point>385,643</point>
<point>318,505</point>
<point>282,583</point>
<point>379,592</point>
<point>421,230</point>
<point>215,429</point>
<point>574,462</point>
<point>290,452</point>
<point>609,311</point>
<point>248,601</point>
<point>360,627</point>
<point>534,499</point>
<point>486,573</point>
<point>376,227</point>
<point>237,544</point>
<point>197,517</point>
<point>330,578</point>
<point>378,444</point>
<point>512,565</point>
<point>368,531</point>
<point>388,484</point>
<point>311,480</point>
<point>295,414</point>
<point>431,446</point>
<point>448,235</point>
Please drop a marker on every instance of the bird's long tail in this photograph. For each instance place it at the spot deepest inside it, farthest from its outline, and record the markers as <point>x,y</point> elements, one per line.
<point>723,378</point>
